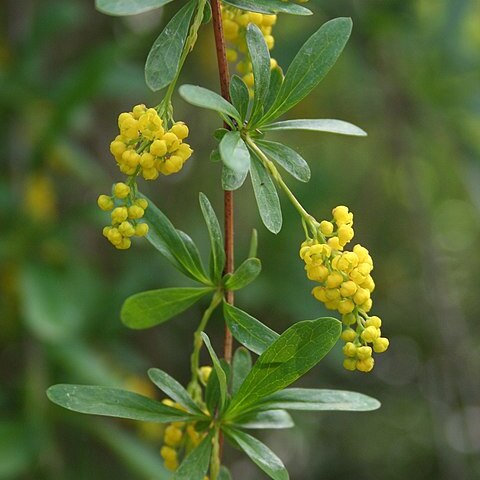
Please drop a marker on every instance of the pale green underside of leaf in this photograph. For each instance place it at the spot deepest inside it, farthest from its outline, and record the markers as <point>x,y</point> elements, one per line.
<point>315,399</point>
<point>293,354</point>
<point>318,125</point>
<point>249,331</point>
<point>259,453</point>
<point>128,7</point>
<point>266,196</point>
<point>269,6</point>
<point>113,402</point>
<point>268,419</point>
<point>153,307</point>
<point>164,58</point>
<point>232,180</point>
<point>234,153</point>
<point>286,157</point>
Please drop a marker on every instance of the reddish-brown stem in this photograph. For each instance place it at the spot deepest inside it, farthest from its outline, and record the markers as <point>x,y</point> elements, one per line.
<point>228,196</point>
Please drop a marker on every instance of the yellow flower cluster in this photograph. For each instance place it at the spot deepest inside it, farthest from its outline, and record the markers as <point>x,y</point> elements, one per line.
<point>126,212</point>
<point>145,147</point>
<point>235,22</point>
<point>346,285</point>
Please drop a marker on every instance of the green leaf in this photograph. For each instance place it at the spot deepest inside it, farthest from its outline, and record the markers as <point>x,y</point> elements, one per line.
<point>249,331</point>
<point>173,389</point>
<point>212,393</point>
<point>317,125</point>
<point>113,402</point>
<point>316,57</point>
<point>269,6</point>
<point>128,7</point>
<point>202,97</point>
<point>260,58</point>
<point>153,307</point>
<point>276,80</point>
<point>245,274</point>
<point>274,419</point>
<point>207,13</point>
<point>217,256</point>
<point>292,355</point>
<point>232,180</point>
<point>170,243</point>
<point>252,249</point>
<point>163,61</point>
<point>316,399</point>
<point>259,453</point>
<point>241,366</point>
<point>195,465</point>
<point>224,474</point>
<point>240,96</point>
<point>289,159</point>
<point>222,378</point>
<point>194,253</point>
<point>234,152</point>
<point>266,196</point>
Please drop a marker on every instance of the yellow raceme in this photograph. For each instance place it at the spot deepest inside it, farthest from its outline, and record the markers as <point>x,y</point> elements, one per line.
<point>345,285</point>
<point>145,146</point>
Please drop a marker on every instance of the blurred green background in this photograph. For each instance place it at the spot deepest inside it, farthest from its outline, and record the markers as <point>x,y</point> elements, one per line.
<point>410,77</point>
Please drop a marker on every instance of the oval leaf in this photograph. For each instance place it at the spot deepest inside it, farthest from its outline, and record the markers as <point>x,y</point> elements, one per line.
<point>232,180</point>
<point>245,274</point>
<point>266,196</point>
<point>249,331</point>
<point>164,58</point>
<point>202,97</point>
<point>128,7</point>
<point>316,57</point>
<point>269,6</point>
<point>292,355</point>
<point>114,402</point>
<point>316,399</point>
<point>318,125</point>
<point>234,153</point>
<point>288,158</point>
<point>259,453</point>
<point>153,307</point>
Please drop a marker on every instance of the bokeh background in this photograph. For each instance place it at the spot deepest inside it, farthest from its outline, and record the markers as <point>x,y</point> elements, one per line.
<point>409,76</point>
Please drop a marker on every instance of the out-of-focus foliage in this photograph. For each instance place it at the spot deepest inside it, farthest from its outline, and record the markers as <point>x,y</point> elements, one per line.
<point>409,77</point>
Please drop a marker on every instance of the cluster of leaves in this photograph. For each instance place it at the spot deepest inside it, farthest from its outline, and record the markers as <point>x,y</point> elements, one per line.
<point>274,95</point>
<point>243,395</point>
<point>238,397</point>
